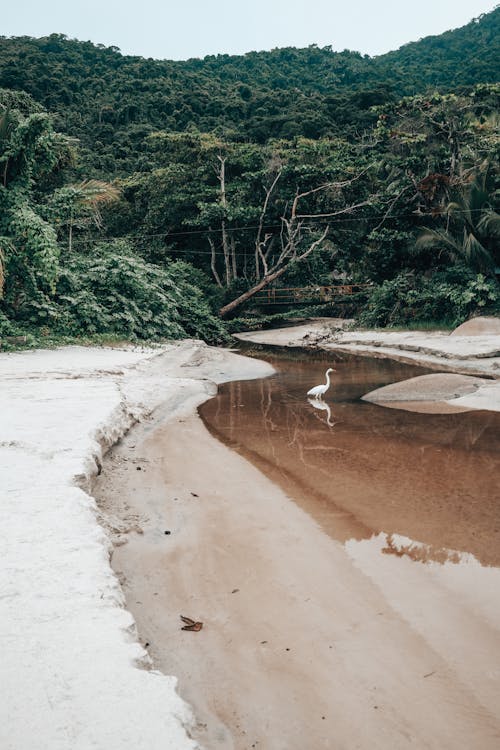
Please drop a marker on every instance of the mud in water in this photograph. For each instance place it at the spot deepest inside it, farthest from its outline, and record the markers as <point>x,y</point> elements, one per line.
<point>361,469</point>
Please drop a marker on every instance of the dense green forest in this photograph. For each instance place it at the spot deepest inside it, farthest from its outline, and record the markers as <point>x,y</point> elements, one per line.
<point>149,199</point>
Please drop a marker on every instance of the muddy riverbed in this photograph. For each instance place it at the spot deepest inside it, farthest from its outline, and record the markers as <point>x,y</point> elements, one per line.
<point>344,561</point>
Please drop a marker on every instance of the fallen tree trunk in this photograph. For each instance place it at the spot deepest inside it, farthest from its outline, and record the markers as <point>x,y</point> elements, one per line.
<point>250,292</point>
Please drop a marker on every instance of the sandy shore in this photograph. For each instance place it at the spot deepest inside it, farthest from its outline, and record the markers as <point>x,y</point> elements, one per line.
<point>300,646</point>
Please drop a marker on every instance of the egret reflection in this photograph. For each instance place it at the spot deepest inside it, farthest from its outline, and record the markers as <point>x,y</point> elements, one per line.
<point>322,406</point>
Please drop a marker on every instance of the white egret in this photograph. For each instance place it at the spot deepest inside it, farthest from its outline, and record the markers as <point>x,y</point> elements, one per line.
<point>319,390</point>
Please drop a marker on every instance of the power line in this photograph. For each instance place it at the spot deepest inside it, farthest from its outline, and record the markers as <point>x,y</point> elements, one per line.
<point>247,228</point>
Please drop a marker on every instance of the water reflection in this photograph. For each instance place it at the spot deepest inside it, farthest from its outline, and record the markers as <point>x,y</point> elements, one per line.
<point>426,477</point>
<point>401,546</point>
<point>322,406</point>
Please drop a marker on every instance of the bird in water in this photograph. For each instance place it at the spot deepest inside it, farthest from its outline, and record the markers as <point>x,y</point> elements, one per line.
<point>319,390</point>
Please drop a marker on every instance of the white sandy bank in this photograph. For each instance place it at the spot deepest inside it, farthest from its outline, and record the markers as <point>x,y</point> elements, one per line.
<point>71,671</point>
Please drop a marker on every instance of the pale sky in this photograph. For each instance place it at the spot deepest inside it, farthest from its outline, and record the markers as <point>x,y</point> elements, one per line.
<point>178,29</point>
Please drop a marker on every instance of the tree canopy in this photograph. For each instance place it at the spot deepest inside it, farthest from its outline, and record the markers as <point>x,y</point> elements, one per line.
<point>111,102</point>
<point>143,197</point>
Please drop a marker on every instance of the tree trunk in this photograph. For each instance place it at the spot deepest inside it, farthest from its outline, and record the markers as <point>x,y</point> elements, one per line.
<point>225,243</point>
<point>257,264</point>
<point>250,292</point>
<point>213,265</point>
<point>227,257</point>
<point>233,258</point>
<point>288,254</point>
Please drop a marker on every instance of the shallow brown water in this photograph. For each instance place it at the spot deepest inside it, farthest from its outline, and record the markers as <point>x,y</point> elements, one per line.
<point>423,486</point>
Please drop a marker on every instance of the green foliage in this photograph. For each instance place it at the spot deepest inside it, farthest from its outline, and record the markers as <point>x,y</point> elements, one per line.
<point>315,271</point>
<point>29,151</point>
<point>182,199</point>
<point>112,101</point>
<point>115,291</point>
<point>473,226</point>
<point>161,219</point>
<point>76,207</point>
<point>456,58</point>
<point>387,251</point>
<point>256,323</point>
<point>448,296</point>
<point>7,327</point>
<point>2,266</point>
<point>36,247</point>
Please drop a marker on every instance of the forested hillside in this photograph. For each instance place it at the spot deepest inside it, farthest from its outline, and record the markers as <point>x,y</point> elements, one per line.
<point>140,197</point>
<point>110,101</point>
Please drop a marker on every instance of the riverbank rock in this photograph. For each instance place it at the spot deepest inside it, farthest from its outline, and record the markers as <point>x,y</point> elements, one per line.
<point>434,387</point>
<point>478,327</point>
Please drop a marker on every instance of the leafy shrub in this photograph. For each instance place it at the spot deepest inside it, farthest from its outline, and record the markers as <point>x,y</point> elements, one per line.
<point>449,296</point>
<point>254,323</point>
<point>114,291</point>
<point>7,327</point>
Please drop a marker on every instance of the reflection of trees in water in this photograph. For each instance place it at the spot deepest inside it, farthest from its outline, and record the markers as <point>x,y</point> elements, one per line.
<point>285,437</point>
<point>401,546</point>
<point>290,412</point>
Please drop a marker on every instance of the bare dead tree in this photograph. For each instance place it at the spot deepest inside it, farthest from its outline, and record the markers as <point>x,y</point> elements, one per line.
<point>260,245</point>
<point>298,239</point>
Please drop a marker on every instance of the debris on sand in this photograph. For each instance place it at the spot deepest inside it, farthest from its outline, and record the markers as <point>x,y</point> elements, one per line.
<point>192,625</point>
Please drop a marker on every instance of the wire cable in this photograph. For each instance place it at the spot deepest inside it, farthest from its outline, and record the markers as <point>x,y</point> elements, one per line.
<point>247,228</point>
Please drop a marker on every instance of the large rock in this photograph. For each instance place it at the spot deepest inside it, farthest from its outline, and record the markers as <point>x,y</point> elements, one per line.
<point>434,387</point>
<point>478,327</point>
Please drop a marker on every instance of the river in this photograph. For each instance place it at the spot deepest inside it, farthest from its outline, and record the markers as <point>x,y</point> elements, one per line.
<point>425,484</point>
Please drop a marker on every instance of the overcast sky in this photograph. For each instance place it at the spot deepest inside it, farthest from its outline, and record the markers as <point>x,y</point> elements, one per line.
<point>178,29</point>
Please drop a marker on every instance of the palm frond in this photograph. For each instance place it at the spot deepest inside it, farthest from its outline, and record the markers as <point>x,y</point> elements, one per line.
<point>458,210</point>
<point>476,254</point>
<point>478,197</point>
<point>489,224</point>
<point>438,239</point>
<point>95,192</point>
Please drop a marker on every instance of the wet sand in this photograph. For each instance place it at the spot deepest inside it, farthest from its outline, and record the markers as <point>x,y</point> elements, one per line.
<point>305,643</point>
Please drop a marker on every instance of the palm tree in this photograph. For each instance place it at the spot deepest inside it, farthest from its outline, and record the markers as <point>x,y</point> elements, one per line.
<point>96,193</point>
<point>80,204</point>
<point>472,226</point>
